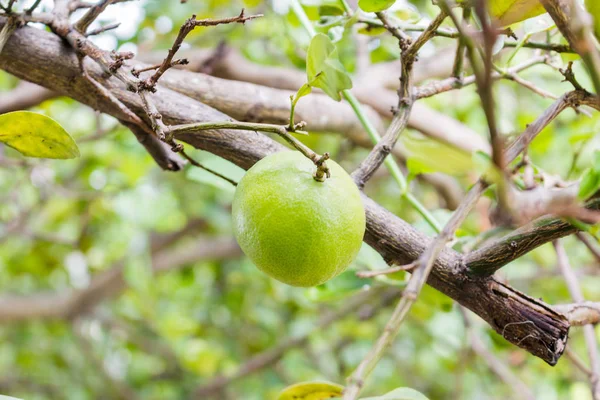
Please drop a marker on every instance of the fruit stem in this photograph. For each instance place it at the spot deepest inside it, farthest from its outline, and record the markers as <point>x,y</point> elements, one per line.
<point>322,172</point>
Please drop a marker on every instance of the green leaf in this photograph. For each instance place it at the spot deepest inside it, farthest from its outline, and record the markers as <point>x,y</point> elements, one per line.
<point>36,135</point>
<point>400,394</point>
<point>426,155</point>
<point>593,7</point>
<point>323,68</point>
<point>8,398</point>
<point>375,5</point>
<point>590,182</point>
<point>303,91</point>
<point>329,9</point>
<point>311,391</point>
<point>508,12</point>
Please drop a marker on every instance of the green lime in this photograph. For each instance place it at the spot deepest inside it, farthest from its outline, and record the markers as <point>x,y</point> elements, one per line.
<point>295,229</point>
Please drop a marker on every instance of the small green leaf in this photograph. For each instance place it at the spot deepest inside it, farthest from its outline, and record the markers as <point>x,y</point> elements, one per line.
<point>593,7</point>
<point>508,12</point>
<point>323,68</point>
<point>311,391</point>
<point>590,183</point>
<point>36,135</point>
<point>375,5</point>
<point>303,91</point>
<point>400,394</point>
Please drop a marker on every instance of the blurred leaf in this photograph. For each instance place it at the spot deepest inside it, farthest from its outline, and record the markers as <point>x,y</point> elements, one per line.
<point>311,391</point>
<point>593,7</point>
<point>538,24</point>
<point>8,398</point>
<point>372,30</point>
<point>323,68</point>
<point>407,13</point>
<point>36,135</point>
<point>499,45</point>
<point>400,394</point>
<point>507,12</point>
<point>331,8</point>
<point>590,182</point>
<point>426,155</point>
<point>375,5</point>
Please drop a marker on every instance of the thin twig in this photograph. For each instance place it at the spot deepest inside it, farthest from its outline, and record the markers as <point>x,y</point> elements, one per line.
<point>589,243</point>
<point>91,14</point>
<point>497,366</point>
<point>33,7</point>
<point>398,268</point>
<point>197,164</point>
<point>406,100</point>
<point>423,267</point>
<point>434,88</point>
<point>580,314</point>
<point>103,29</point>
<point>281,130</point>
<point>588,330</point>
<point>185,29</point>
<point>457,69</point>
<point>11,25</point>
<point>578,362</point>
<point>136,72</point>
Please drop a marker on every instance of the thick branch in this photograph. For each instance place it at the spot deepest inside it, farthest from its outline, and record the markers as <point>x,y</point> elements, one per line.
<point>487,260</point>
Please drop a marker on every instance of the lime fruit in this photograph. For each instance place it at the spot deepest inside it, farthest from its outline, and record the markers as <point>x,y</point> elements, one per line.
<point>295,229</point>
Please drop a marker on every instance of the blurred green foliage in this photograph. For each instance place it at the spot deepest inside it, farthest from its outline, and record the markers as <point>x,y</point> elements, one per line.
<point>62,223</point>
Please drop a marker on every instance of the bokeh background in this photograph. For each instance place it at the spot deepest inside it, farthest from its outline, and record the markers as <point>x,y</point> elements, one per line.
<point>190,311</point>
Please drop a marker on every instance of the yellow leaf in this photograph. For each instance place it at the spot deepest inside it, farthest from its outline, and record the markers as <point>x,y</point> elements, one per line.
<point>311,391</point>
<point>508,12</point>
<point>35,135</point>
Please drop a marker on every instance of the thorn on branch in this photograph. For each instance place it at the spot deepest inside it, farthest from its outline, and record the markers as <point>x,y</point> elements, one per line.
<point>118,59</point>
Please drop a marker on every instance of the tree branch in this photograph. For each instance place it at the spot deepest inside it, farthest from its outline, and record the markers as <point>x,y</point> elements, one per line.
<point>488,259</point>
<point>41,57</point>
<point>580,314</point>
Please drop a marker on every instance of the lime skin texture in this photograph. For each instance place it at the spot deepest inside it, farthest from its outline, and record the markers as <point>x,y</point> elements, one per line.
<point>293,228</point>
